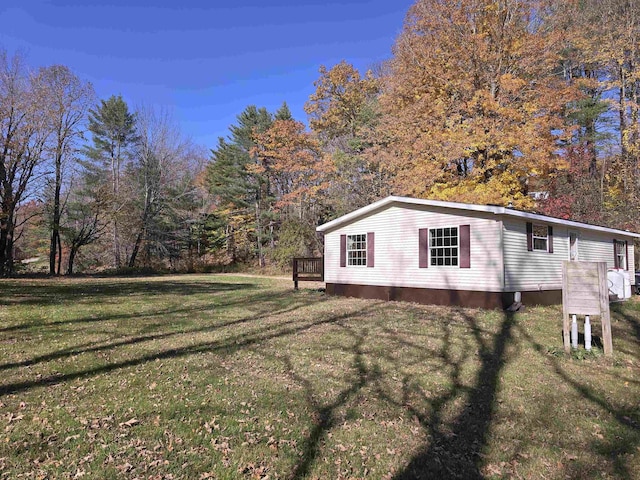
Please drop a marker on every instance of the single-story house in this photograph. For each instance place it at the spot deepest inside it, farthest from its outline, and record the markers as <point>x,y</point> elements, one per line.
<point>450,253</point>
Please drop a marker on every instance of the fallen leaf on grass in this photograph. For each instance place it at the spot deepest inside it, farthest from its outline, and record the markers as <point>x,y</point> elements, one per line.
<point>69,438</point>
<point>130,423</point>
<point>257,472</point>
<point>492,470</point>
<point>124,468</point>
<point>14,418</point>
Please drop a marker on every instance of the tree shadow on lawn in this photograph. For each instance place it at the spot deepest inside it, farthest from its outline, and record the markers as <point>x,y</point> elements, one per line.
<point>615,447</point>
<point>620,311</point>
<point>47,295</point>
<point>454,451</point>
<point>53,293</point>
<point>455,448</point>
<point>229,345</point>
<point>270,305</point>
<point>325,414</point>
<point>449,455</point>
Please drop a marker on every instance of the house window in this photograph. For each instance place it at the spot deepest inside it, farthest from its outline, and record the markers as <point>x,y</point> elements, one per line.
<point>620,247</point>
<point>443,246</point>
<point>540,238</point>
<point>357,250</point>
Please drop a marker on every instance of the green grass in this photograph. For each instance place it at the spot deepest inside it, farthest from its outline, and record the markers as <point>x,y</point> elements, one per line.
<point>217,376</point>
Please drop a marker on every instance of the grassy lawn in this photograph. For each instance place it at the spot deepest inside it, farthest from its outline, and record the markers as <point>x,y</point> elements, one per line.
<point>217,376</point>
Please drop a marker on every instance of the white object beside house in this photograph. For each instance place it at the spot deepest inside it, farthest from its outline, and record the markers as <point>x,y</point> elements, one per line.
<point>619,283</point>
<point>446,253</point>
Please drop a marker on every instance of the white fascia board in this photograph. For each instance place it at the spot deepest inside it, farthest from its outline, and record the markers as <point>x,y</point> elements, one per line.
<point>568,223</point>
<point>355,214</point>
<point>468,207</point>
<point>404,201</point>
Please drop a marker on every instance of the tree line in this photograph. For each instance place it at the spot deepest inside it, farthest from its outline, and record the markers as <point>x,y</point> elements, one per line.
<point>529,103</point>
<point>81,176</point>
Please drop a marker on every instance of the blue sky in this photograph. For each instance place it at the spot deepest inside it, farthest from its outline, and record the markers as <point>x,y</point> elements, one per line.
<point>206,61</point>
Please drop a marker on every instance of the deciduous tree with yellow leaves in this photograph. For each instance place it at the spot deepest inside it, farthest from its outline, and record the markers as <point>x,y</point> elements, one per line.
<point>343,113</point>
<point>474,105</point>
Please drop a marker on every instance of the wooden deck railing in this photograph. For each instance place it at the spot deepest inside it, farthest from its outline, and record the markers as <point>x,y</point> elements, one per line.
<point>308,270</point>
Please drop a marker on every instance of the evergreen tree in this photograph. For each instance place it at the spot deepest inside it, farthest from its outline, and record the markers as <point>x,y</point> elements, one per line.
<point>283,113</point>
<point>239,184</point>
<point>114,135</point>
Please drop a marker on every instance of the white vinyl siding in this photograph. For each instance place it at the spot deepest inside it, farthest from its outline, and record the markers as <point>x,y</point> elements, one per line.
<point>526,270</point>
<point>396,252</point>
<point>597,247</point>
<point>538,270</point>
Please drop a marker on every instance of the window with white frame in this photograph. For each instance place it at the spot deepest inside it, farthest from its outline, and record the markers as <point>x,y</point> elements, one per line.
<point>443,246</point>
<point>541,238</point>
<point>621,254</point>
<point>357,250</point>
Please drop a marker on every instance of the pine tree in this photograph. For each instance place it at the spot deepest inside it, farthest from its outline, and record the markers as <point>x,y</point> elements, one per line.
<point>114,135</point>
<point>283,113</point>
<point>242,191</point>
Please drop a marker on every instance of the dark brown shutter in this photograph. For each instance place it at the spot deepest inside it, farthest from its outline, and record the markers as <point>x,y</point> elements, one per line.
<point>529,236</point>
<point>615,255</point>
<point>465,246</point>
<point>550,238</point>
<point>423,247</point>
<point>371,249</point>
<point>626,253</point>
<point>343,250</point>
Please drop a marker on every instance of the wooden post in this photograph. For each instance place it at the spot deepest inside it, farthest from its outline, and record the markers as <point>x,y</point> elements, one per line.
<point>295,274</point>
<point>605,314</point>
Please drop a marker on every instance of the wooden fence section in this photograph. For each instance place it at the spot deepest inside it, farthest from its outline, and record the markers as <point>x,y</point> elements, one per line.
<point>308,270</point>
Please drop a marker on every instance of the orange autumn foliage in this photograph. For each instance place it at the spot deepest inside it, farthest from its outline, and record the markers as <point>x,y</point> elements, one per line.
<point>473,102</point>
<point>335,109</point>
<point>291,159</point>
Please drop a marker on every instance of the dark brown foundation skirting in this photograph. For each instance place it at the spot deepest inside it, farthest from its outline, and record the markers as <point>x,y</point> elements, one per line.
<point>433,296</point>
